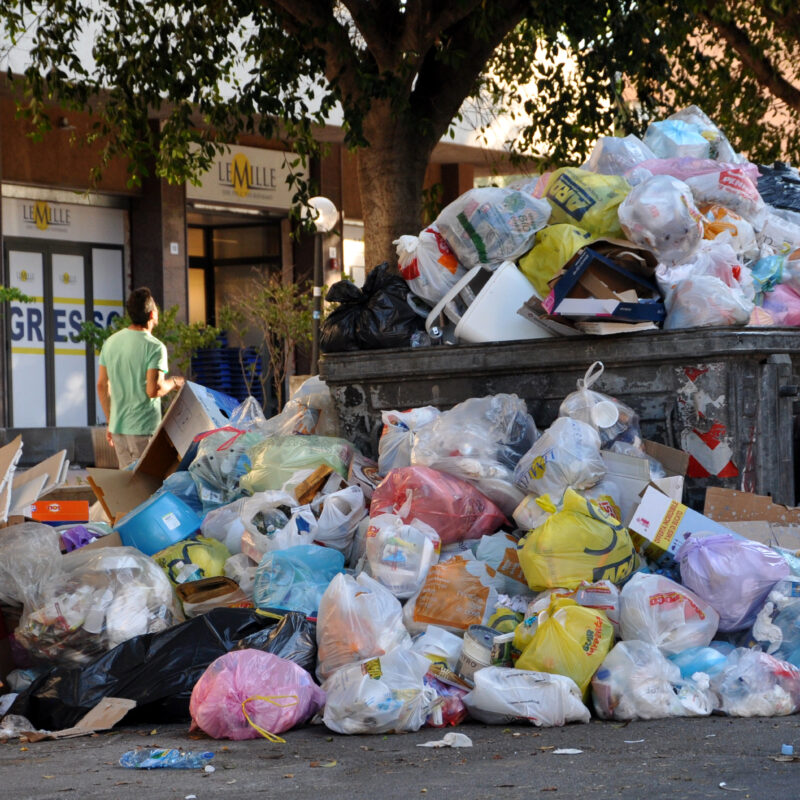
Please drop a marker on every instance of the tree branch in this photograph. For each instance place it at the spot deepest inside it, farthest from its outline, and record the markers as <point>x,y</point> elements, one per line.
<point>765,71</point>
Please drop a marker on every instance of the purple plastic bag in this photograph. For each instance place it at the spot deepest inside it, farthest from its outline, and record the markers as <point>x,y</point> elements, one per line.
<point>733,574</point>
<point>246,694</point>
<point>77,537</point>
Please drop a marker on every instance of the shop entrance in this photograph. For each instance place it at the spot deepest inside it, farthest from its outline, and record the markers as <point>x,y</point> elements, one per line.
<point>51,376</point>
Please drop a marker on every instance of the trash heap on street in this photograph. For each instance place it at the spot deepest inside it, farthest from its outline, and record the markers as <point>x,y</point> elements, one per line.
<point>259,574</point>
<point>675,230</point>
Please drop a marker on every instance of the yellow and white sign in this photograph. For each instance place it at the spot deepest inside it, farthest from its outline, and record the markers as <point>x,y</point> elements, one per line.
<point>248,176</point>
<point>45,219</point>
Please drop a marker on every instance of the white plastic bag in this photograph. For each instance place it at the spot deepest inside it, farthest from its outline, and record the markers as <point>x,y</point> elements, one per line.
<point>242,569</point>
<point>428,264</point>
<point>660,215</point>
<point>614,155</point>
<point>30,560</point>
<point>397,437</point>
<point>499,551</point>
<point>339,515</point>
<point>503,695</point>
<point>733,189</point>
<point>658,610</point>
<point>439,646</point>
<point>636,681</point>
<point>490,225</point>
<point>358,618</point>
<point>720,147</point>
<point>566,456</point>
<point>385,694</point>
<point>675,138</point>
<point>400,555</point>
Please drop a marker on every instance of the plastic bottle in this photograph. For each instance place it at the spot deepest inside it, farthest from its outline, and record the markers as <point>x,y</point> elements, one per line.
<point>172,759</point>
<point>186,573</point>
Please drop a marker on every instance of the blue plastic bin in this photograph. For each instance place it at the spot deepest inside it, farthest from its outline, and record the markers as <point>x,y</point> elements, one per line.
<point>157,523</point>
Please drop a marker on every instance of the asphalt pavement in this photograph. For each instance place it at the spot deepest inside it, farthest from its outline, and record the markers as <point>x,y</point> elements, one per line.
<point>678,758</point>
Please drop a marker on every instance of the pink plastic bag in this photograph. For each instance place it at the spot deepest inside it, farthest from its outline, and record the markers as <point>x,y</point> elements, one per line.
<point>455,509</point>
<point>248,693</point>
<point>783,305</point>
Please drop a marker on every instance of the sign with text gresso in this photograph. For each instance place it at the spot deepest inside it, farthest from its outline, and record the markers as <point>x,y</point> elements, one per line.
<point>66,222</point>
<point>248,176</point>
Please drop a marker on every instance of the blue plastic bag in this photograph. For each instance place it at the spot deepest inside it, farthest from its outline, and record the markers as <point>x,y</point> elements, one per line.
<point>296,578</point>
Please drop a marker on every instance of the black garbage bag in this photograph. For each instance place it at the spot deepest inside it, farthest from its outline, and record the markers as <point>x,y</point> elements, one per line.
<point>159,670</point>
<point>779,185</point>
<point>375,316</point>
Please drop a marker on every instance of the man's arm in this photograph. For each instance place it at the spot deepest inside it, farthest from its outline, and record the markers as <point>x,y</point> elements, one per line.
<point>158,385</point>
<point>104,395</point>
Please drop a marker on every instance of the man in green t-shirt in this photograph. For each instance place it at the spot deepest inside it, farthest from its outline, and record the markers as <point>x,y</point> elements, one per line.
<point>132,378</point>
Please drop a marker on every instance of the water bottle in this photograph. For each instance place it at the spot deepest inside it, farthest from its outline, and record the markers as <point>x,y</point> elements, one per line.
<point>420,339</point>
<point>187,573</point>
<point>173,759</point>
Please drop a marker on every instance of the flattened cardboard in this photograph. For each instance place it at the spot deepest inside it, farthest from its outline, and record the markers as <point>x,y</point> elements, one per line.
<point>104,716</point>
<point>25,494</point>
<point>196,409</point>
<point>9,457</point>
<point>52,468</point>
<point>533,311</point>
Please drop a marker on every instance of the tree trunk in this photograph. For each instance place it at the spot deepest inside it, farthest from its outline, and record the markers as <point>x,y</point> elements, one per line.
<point>391,172</point>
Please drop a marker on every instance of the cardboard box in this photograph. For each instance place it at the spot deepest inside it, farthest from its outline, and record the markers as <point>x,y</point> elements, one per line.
<point>195,410</point>
<point>59,512</point>
<point>632,475</point>
<point>104,716</point>
<point>754,516</point>
<point>593,285</point>
<point>663,525</point>
<point>9,458</point>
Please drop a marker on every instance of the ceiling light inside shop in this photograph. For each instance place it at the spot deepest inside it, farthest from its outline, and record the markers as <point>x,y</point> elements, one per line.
<point>254,212</point>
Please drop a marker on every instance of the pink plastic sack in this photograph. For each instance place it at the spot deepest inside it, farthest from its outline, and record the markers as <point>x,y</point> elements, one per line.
<point>248,693</point>
<point>455,509</point>
<point>783,306</point>
<point>733,574</point>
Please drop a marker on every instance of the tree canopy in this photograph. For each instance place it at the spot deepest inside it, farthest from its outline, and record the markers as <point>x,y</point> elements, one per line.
<point>399,71</point>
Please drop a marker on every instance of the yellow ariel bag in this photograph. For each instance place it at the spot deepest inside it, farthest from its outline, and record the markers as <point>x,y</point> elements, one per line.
<point>570,640</point>
<point>582,542</point>
<point>587,199</point>
<point>555,245</point>
<point>206,554</point>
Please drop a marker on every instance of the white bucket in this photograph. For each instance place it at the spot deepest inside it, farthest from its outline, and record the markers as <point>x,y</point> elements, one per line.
<point>476,652</point>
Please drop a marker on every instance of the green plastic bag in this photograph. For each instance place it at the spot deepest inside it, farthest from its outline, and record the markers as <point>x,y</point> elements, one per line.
<point>582,542</point>
<point>277,458</point>
<point>555,245</point>
<point>587,199</point>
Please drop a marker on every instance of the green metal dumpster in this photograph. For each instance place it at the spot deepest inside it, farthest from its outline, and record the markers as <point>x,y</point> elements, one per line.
<point>726,396</point>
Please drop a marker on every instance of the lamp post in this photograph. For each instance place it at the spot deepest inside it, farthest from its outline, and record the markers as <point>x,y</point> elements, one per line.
<point>324,215</point>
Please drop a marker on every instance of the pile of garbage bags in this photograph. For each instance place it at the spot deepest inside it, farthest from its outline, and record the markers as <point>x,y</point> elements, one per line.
<point>674,230</point>
<point>481,569</point>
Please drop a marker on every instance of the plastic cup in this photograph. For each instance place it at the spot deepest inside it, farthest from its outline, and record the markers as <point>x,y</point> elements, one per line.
<point>604,414</point>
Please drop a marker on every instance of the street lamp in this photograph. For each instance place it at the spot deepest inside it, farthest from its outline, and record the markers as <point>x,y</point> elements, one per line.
<point>322,212</point>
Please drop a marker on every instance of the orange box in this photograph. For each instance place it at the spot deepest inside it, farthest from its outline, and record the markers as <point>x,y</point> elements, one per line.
<point>60,511</point>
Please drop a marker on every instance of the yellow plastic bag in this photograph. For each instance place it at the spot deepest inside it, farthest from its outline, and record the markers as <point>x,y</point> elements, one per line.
<point>582,542</point>
<point>587,199</point>
<point>569,640</point>
<point>555,245</point>
<point>207,555</point>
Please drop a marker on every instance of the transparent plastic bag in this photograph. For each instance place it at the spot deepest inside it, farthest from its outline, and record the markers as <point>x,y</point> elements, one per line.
<point>725,226</point>
<point>339,515</point>
<point>500,552</point>
<point>277,458</point>
<point>480,441</point>
<point>248,415</point>
<point>658,610</point>
<point>733,574</point>
<point>455,509</point>
<point>295,579</point>
<point>776,628</point>
<point>608,416</point>
<point>30,562</point>
<point>386,694</point>
<point>358,618</point>
<point>397,436</point>
<point>428,264</point>
<point>491,225</point>
<point>249,694</point>
<point>182,485</point>
<point>720,147</point>
<point>660,215</point>
<point>503,695</point>
<point>457,593</point>
<point>242,569</point>
<point>579,543</point>
<point>555,245</point>
<point>587,199</point>
<point>570,640</point>
<point>566,456</point>
<point>615,155</point>
<point>675,138</point>
<point>222,458</point>
<point>98,600</point>
<point>399,555</point>
<point>309,410</point>
<point>636,681</point>
<point>439,646</point>
<point>755,684</point>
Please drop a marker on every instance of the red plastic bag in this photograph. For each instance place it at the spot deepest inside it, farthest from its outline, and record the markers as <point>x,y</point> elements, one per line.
<point>455,509</point>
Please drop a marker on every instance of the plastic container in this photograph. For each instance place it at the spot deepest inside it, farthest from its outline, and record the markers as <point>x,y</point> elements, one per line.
<point>160,759</point>
<point>159,522</point>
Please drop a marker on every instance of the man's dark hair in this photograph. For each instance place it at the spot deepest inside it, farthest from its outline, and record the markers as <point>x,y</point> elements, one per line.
<point>140,305</point>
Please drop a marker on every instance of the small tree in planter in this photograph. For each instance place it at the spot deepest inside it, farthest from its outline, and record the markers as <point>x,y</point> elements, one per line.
<point>280,313</point>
